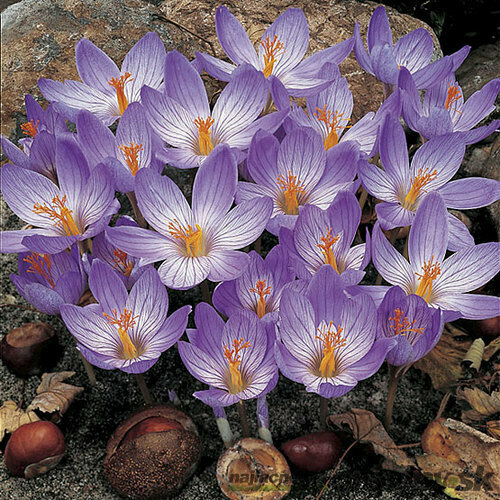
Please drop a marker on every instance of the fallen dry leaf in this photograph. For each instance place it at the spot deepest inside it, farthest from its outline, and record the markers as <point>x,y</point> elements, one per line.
<point>462,459</point>
<point>54,396</point>
<point>491,349</point>
<point>368,429</point>
<point>483,404</point>
<point>493,428</point>
<point>475,354</point>
<point>12,417</point>
<point>443,363</point>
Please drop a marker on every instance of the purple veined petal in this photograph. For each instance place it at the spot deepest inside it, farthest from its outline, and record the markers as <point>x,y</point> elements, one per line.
<point>378,183</point>
<point>372,361</point>
<point>180,272</point>
<point>239,104</point>
<point>43,298</point>
<point>173,123</point>
<point>345,213</point>
<point>437,123</point>
<point>94,138</point>
<point>14,154</point>
<point>214,187</point>
<point>243,224</point>
<point>442,155</point>
<point>225,299</point>
<point>478,106</point>
<point>208,336</point>
<point>428,237</point>
<point>291,30</point>
<point>299,85</point>
<point>384,64</point>
<point>290,367</point>
<point>68,288</point>
<point>468,269</point>
<point>11,241</point>
<point>248,190</point>
<point>436,97</point>
<point>263,158</point>
<point>414,50</point>
<point>471,306</point>
<point>99,360</point>
<point>221,70</point>
<point>184,84</point>
<point>326,190</point>
<point>364,133</point>
<point>95,67</point>
<point>46,242</point>
<point>430,337</point>
<point>356,257</point>
<point>458,57</point>
<point>377,293</point>
<point>233,38</point>
<point>226,264</point>
<point>391,215</point>
<point>141,364</point>
<point>469,193</point>
<point>216,398</point>
<point>145,62</point>
<point>33,110</point>
<point>458,234</point>
<point>200,365</point>
<point>379,31</point>
<point>161,201</point>
<point>389,263</point>
<point>171,330</point>
<point>255,270</point>
<point>360,52</point>
<point>107,287</point>
<point>279,94</point>
<point>411,104</point>
<point>479,133</point>
<point>119,175</point>
<point>394,152</point>
<point>75,96</point>
<point>43,154</point>
<point>180,158</point>
<point>433,73</point>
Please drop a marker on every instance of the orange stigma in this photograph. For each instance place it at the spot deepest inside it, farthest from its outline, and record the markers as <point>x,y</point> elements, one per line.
<point>41,264</point>
<point>452,97</point>
<point>121,263</point>
<point>60,213</point>
<point>119,85</point>
<point>431,270</point>
<point>332,340</point>
<point>333,123</point>
<point>261,290</point>
<point>124,323</point>
<point>204,134</point>
<point>30,128</point>
<point>234,361</point>
<point>402,326</point>
<point>417,183</point>
<point>193,238</point>
<point>272,49</point>
<point>131,155</point>
<point>291,187</point>
<point>326,245</point>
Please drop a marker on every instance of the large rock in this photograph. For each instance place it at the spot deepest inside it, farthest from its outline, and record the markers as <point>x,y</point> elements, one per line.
<point>330,21</point>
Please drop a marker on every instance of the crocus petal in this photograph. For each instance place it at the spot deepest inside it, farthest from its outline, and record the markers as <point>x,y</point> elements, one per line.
<point>107,287</point>
<point>479,133</point>
<point>433,73</point>
<point>216,397</point>
<point>379,31</point>
<point>226,264</point>
<point>225,299</point>
<point>458,234</point>
<point>384,64</point>
<point>208,336</point>
<point>360,52</point>
<point>372,361</point>
<point>221,70</point>
<point>180,158</point>
<point>377,182</point>
<point>472,306</point>
<point>472,192</point>
<point>263,158</point>
<point>200,365</point>
<point>394,151</point>
<point>391,215</point>
<point>11,241</point>
<point>414,50</point>
<point>14,154</point>
<point>42,243</point>
<point>42,298</point>
<point>479,105</point>
<point>180,272</point>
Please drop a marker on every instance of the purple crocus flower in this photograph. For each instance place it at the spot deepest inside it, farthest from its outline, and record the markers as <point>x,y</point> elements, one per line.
<point>327,341</point>
<point>295,173</point>
<point>444,110</point>
<point>281,50</point>
<point>79,208</point>
<point>199,242</point>
<point>182,118</point>
<point>105,90</point>
<point>402,187</point>
<point>325,237</point>
<point>125,154</point>
<point>124,331</point>
<point>414,325</point>
<point>48,281</point>
<point>259,288</point>
<point>235,358</point>
<point>441,282</point>
<point>412,51</point>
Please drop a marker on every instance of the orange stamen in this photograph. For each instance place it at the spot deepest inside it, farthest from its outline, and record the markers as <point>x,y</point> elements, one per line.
<point>193,238</point>
<point>431,270</point>
<point>333,123</point>
<point>417,183</point>
<point>30,128</point>
<point>123,324</point>
<point>131,155</point>
<point>261,290</point>
<point>291,187</point>
<point>204,134</point>
<point>234,361</point>
<point>326,245</point>
<point>272,49</point>
<point>60,213</point>
<point>402,326</point>
<point>332,340</point>
<point>119,85</point>
<point>452,97</point>
<point>121,263</point>
<point>41,264</point>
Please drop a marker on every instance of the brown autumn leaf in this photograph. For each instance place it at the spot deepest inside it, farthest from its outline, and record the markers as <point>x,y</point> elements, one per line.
<point>368,429</point>
<point>493,428</point>
<point>12,417</point>
<point>462,459</point>
<point>53,395</point>
<point>483,404</point>
<point>443,363</point>
<point>491,349</point>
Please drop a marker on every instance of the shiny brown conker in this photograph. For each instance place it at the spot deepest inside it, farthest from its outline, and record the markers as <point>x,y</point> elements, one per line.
<point>34,449</point>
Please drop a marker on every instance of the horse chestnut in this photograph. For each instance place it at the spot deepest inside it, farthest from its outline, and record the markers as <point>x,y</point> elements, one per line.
<point>34,449</point>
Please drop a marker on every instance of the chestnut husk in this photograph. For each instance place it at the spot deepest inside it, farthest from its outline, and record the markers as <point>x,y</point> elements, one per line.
<point>155,464</point>
<point>253,468</point>
<point>30,349</point>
